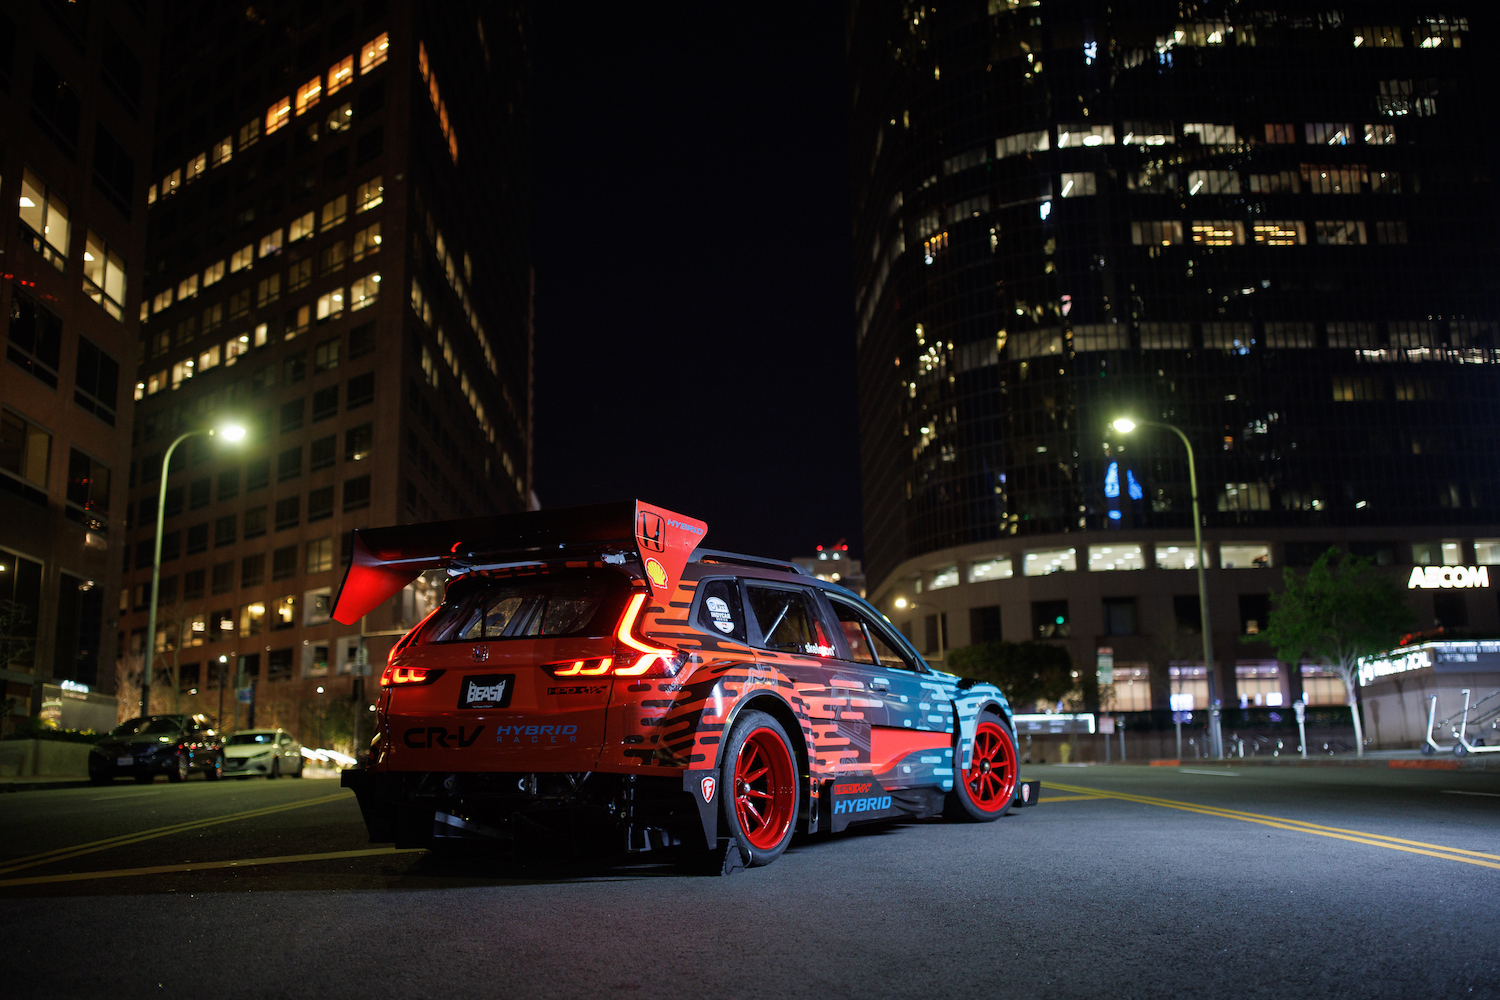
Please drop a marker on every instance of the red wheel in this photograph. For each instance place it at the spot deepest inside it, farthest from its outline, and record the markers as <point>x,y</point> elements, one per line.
<point>759,778</point>
<point>989,782</point>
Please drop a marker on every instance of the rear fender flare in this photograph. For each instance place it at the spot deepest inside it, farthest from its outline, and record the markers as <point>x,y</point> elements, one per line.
<point>778,708</point>
<point>966,710</point>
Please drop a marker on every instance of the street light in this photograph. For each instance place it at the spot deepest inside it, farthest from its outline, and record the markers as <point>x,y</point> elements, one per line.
<point>228,432</point>
<point>902,604</point>
<point>1125,425</point>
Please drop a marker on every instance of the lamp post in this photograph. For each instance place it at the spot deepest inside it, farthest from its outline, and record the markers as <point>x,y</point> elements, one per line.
<point>1125,425</point>
<point>228,432</point>
<point>902,603</point>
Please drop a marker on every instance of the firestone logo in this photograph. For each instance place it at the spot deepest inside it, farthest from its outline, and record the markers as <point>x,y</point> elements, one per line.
<point>708,789</point>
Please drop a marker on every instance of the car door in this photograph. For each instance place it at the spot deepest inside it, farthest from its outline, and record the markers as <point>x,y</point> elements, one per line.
<point>911,733</point>
<point>788,619</point>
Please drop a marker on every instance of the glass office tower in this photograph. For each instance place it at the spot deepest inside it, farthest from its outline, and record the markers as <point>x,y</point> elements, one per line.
<point>1271,225</point>
<point>338,256</point>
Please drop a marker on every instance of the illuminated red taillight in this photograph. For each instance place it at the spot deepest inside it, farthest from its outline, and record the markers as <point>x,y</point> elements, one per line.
<point>408,676</point>
<point>643,660</point>
<point>580,668</point>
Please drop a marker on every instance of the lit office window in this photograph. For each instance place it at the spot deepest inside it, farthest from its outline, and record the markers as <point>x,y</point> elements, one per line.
<point>1281,134</point>
<point>270,243</point>
<point>374,52</point>
<point>1210,134</point>
<point>1149,134</point>
<point>1085,135</point>
<point>341,118</point>
<point>278,114</point>
<point>1045,562</point>
<point>367,242</point>
<point>27,450</point>
<point>1078,185</point>
<point>1384,36</point>
<point>1329,133</point>
<point>335,212</point>
<point>1218,233</point>
<point>944,578</point>
<point>1103,558</point>
<point>364,292</point>
<point>1213,182</point>
<point>197,167</point>
<point>1322,178</point>
<point>1380,135</point>
<point>103,275</point>
<point>1244,555</point>
<point>213,273</point>
<point>330,305</point>
<point>990,569</point>
<point>301,228</point>
<point>1339,232</point>
<point>223,151</point>
<point>369,194</point>
<point>1182,555</point>
<point>1024,142</point>
<point>309,94</point>
<point>242,258</point>
<point>187,288</point>
<point>1285,233</point>
<point>46,216</point>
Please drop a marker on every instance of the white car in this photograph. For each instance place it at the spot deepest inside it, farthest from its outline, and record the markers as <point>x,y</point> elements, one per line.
<point>262,753</point>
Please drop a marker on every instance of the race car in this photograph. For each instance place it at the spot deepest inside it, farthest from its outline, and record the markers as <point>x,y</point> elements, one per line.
<point>595,672</point>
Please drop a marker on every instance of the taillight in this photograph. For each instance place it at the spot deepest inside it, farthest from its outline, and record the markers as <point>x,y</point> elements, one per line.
<point>409,676</point>
<point>643,660</point>
<point>580,668</point>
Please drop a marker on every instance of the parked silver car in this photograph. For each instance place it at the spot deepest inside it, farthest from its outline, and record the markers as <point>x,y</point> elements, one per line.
<point>262,753</point>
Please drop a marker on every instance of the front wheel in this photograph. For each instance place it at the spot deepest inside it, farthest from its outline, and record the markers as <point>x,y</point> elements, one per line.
<point>275,770</point>
<point>758,779</point>
<point>987,786</point>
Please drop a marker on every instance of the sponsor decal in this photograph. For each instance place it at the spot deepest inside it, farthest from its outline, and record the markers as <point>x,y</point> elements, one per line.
<point>579,689</point>
<point>865,797</point>
<point>708,789</point>
<point>427,737</point>
<point>479,654</point>
<point>1025,792</point>
<point>486,690</point>
<point>685,527</point>
<point>657,573</point>
<point>651,532</point>
<point>528,734</point>
<point>718,610</point>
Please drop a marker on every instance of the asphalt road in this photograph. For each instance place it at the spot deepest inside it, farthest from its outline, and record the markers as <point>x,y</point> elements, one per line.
<point>1123,882</point>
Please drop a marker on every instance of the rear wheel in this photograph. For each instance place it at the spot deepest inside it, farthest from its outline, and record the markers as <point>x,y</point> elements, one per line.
<point>758,779</point>
<point>987,786</point>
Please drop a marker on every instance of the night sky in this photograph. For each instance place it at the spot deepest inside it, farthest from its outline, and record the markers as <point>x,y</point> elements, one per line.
<point>694,317</point>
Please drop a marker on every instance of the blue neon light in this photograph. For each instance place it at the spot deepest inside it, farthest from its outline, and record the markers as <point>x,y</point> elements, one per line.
<point>1132,487</point>
<point>1112,480</point>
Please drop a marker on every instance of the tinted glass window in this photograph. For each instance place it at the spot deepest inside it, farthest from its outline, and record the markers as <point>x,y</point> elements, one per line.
<point>246,739</point>
<point>867,641</point>
<point>141,727</point>
<point>788,621</point>
<point>578,604</point>
<point>721,612</point>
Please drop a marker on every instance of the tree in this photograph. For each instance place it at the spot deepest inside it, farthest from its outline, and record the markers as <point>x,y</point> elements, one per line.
<point>1342,609</point>
<point>1026,671</point>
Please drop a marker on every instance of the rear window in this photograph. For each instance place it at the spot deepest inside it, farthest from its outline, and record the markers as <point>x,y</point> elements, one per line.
<point>576,604</point>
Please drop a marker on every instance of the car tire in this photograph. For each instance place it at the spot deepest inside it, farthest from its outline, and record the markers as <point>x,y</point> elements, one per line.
<point>215,772</point>
<point>180,769</point>
<point>758,783</point>
<point>275,770</point>
<point>985,790</point>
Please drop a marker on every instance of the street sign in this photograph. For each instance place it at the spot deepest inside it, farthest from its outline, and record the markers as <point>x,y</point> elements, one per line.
<point>1107,725</point>
<point>246,695</point>
<point>1106,666</point>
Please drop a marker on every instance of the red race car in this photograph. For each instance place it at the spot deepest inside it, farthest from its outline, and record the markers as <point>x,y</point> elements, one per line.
<point>594,672</point>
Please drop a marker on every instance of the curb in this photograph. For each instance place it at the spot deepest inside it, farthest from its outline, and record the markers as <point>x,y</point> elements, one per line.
<point>1414,765</point>
<point>38,786</point>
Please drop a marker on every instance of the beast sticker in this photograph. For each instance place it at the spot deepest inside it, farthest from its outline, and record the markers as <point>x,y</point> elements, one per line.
<point>718,610</point>
<point>486,691</point>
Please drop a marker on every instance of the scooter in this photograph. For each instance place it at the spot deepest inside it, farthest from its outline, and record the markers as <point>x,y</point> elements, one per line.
<point>1464,746</point>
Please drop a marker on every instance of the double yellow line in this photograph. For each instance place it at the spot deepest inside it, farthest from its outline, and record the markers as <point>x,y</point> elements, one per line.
<point>64,853</point>
<point>1298,826</point>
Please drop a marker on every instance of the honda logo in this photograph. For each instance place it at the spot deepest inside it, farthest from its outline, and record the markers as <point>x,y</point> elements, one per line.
<point>480,653</point>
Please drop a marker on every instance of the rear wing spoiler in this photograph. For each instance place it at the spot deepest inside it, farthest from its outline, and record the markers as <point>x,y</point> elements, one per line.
<point>387,559</point>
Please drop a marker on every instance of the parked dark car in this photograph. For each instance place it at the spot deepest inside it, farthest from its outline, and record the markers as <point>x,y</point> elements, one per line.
<point>142,748</point>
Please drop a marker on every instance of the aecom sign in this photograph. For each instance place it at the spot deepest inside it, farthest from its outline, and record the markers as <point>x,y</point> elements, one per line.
<point>1446,577</point>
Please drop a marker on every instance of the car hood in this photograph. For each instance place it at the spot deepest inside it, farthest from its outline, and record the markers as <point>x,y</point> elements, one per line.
<point>133,743</point>
<point>249,749</point>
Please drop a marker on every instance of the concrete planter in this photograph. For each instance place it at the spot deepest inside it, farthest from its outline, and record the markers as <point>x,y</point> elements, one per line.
<point>43,758</point>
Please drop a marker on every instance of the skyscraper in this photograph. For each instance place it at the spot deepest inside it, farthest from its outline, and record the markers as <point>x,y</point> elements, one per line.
<point>338,257</point>
<point>1269,225</point>
<point>77,92</point>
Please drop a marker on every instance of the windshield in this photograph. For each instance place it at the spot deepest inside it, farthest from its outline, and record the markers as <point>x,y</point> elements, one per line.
<point>243,739</point>
<point>145,727</point>
<point>562,605</point>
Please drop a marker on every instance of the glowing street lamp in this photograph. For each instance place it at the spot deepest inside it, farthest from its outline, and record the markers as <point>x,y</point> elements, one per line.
<point>1125,425</point>
<point>228,432</point>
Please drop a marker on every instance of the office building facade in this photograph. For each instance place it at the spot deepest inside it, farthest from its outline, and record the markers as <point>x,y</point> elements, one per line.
<point>338,259</point>
<point>77,91</point>
<point>1268,225</point>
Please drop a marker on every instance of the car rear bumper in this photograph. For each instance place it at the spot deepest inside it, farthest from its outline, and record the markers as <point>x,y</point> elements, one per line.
<point>550,811</point>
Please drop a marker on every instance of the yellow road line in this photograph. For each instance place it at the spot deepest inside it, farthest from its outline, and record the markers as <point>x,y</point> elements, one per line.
<point>205,866</point>
<point>63,853</point>
<point>1301,826</point>
<point>1069,798</point>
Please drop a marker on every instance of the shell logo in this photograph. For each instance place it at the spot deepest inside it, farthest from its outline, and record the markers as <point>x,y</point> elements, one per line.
<point>657,574</point>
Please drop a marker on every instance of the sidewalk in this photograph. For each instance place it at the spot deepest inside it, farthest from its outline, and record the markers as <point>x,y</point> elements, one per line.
<point>1398,759</point>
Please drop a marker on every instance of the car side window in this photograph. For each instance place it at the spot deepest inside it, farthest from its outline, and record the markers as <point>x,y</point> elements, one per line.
<point>721,611</point>
<point>868,642</point>
<point>788,620</point>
